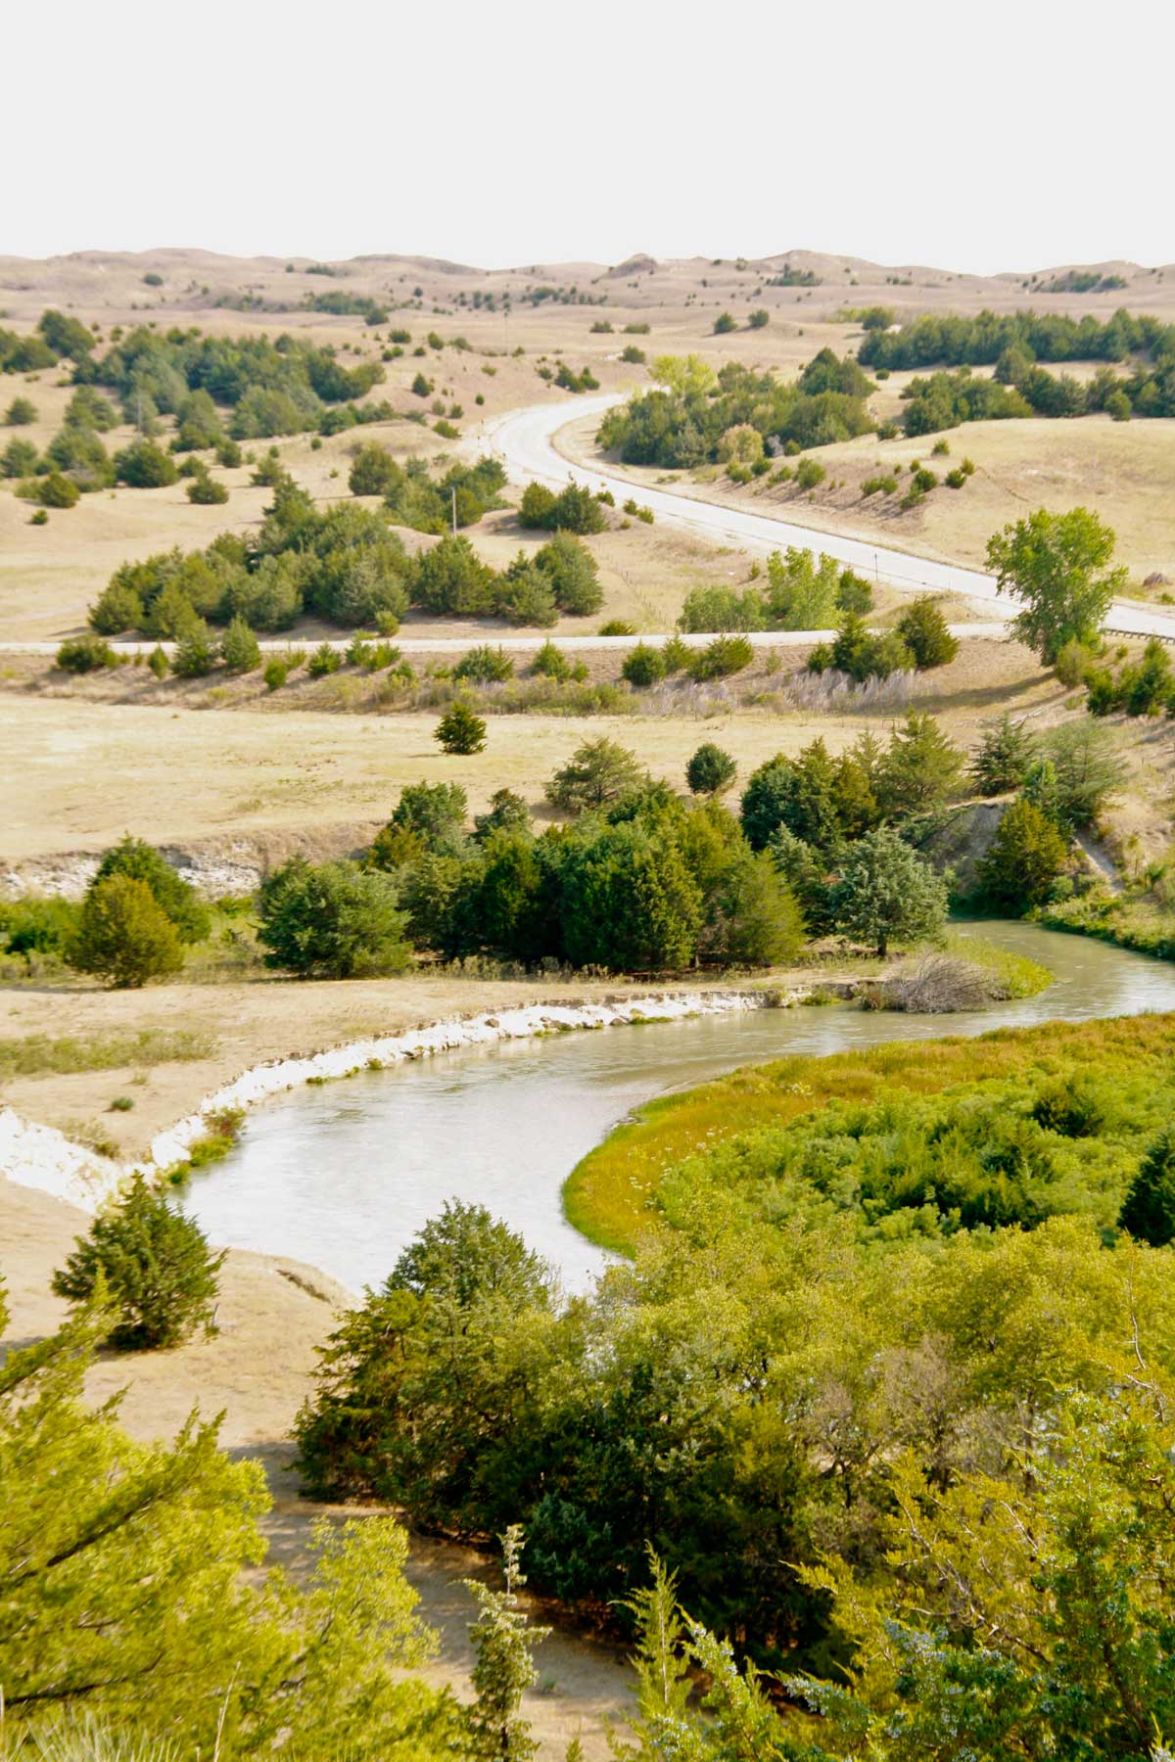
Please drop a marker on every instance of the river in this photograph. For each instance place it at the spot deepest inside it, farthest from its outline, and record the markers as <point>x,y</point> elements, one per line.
<point>344,1176</point>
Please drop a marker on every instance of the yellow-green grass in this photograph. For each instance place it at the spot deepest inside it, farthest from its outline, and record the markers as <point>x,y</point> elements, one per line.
<point>611,1195</point>
<point>1016,975</point>
<point>34,1055</point>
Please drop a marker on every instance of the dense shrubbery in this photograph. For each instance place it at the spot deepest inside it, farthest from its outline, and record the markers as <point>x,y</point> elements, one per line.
<point>1014,344</point>
<point>574,509</point>
<point>464,493</point>
<point>641,881</point>
<point>802,592</point>
<point>343,564</point>
<point>847,1319</point>
<point>270,387</point>
<point>1145,687</point>
<point>684,421</point>
<point>333,921</point>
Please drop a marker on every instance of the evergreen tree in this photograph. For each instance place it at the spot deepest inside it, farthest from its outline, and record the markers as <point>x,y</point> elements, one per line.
<point>461,730</point>
<point>124,936</point>
<point>710,771</point>
<point>887,893</point>
<point>177,897</point>
<point>920,769</point>
<point>926,634</point>
<point>239,648</point>
<point>1148,1211</point>
<point>1003,757</point>
<point>1024,861</point>
<point>151,1263</point>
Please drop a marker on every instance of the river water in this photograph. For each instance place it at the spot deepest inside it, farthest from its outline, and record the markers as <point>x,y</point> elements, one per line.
<point>344,1176</point>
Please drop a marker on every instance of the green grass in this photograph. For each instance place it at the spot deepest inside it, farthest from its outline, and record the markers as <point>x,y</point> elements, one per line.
<point>1017,975</point>
<point>43,1055</point>
<point>1138,923</point>
<point>610,1196</point>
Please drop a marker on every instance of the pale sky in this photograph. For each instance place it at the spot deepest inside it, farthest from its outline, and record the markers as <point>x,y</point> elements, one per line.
<point>980,137</point>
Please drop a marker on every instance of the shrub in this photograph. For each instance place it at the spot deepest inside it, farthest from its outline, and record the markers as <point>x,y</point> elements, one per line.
<point>537,506</point>
<point>158,662</point>
<point>124,936</point>
<point>524,594</point>
<point>724,324</point>
<point>758,318</point>
<point>484,665</point>
<point>461,730</point>
<point>1024,861</point>
<point>239,649</point>
<point>644,666</point>
<point>722,657</point>
<point>195,654</point>
<point>373,471</point>
<point>598,771</point>
<point>809,473</point>
<point>85,654</point>
<point>173,895</point>
<point>617,627</point>
<point>324,660</point>
<point>422,386</point>
<point>277,671</point>
<point>925,633</point>
<point>1073,662</point>
<point>19,458</point>
<point>710,771</point>
<point>633,356</point>
<point>20,413</point>
<point>853,594</point>
<point>452,578</point>
<point>884,484</point>
<point>154,1265</point>
<point>551,663</point>
<point>56,491</point>
<point>205,491</point>
<point>333,921</point>
<point>143,465</point>
<point>573,574</point>
<point>40,518</point>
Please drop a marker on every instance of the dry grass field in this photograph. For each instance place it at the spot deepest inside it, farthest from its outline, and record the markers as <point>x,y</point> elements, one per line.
<point>79,774</point>
<point>49,574</point>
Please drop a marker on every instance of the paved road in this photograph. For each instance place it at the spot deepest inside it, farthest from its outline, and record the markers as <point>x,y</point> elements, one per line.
<point>522,644</point>
<point>527,444</point>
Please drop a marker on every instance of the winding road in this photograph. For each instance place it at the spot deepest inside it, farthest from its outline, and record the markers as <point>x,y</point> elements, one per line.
<point>526,442</point>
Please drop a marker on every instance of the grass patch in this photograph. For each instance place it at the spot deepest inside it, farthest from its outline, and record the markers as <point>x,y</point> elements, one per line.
<point>224,1129</point>
<point>610,1196</point>
<point>1015,974</point>
<point>44,1055</point>
<point>1139,924</point>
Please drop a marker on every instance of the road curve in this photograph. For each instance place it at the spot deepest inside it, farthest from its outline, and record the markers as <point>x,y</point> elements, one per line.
<point>525,442</point>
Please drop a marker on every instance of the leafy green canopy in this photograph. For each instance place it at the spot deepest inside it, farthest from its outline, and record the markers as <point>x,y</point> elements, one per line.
<point>128,1589</point>
<point>683,421</point>
<point>151,1263</point>
<point>642,880</point>
<point>740,1396</point>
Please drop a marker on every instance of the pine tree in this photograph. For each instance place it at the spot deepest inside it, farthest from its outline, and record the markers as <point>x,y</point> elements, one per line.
<point>154,1266</point>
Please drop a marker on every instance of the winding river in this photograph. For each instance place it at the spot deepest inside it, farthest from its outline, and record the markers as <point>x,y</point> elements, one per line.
<point>344,1176</point>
